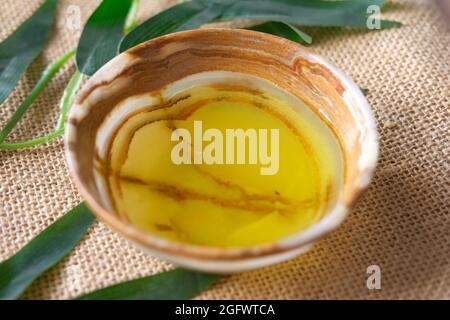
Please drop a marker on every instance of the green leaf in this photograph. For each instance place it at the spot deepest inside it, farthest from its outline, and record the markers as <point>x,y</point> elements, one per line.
<point>170,285</point>
<point>284,30</point>
<point>43,252</point>
<point>46,76</point>
<point>23,45</point>
<point>344,13</point>
<point>184,16</point>
<point>193,14</point>
<point>101,35</point>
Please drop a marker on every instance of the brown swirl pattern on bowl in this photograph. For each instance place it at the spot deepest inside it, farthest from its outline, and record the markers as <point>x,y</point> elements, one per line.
<point>155,64</point>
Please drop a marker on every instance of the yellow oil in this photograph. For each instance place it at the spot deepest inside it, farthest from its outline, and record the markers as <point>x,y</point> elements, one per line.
<point>224,205</point>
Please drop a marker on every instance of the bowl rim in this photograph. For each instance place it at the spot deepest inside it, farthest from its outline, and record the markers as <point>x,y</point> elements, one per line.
<point>331,220</point>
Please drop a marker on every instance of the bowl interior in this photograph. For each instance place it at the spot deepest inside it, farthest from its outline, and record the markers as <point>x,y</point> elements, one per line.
<point>156,64</point>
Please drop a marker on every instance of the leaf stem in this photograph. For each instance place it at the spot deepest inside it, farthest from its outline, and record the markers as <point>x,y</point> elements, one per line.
<point>66,102</point>
<point>68,97</point>
<point>33,142</point>
<point>46,76</point>
<point>131,21</point>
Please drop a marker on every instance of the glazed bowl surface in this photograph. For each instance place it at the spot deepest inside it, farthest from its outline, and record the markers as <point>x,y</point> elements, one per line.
<point>122,86</point>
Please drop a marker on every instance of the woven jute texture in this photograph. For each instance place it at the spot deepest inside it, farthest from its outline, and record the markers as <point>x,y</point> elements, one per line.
<point>402,223</point>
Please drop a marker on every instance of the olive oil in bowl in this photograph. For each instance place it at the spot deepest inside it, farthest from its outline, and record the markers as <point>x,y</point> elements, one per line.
<point>223,159</point>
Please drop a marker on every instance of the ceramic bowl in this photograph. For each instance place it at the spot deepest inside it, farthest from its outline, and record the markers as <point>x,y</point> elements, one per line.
<point>121,88</point>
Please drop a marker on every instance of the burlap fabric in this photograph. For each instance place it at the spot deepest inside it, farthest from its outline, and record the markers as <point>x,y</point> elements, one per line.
<point>401,224</point>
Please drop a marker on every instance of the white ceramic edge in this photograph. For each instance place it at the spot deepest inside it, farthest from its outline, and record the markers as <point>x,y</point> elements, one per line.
<point>370,140</point>
<point>226,266</point>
